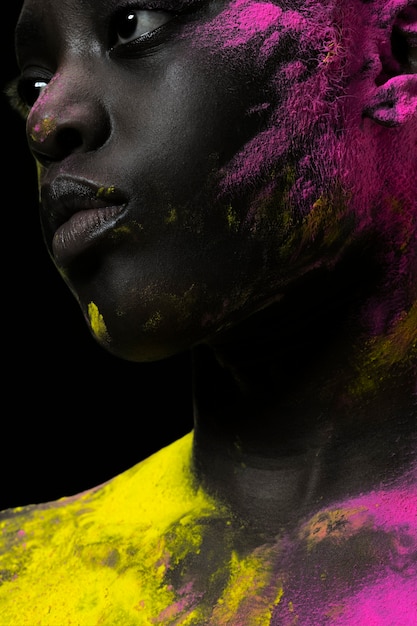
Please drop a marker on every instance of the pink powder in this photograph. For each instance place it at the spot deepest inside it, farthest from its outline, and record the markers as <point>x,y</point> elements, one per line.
<point>388,602</point>
<point>340,42</point>
<point>242,21</point>
<point>359,565</point>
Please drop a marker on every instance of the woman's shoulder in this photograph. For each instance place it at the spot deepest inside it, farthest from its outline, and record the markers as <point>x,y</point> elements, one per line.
<point>151,547</point>
<point>53,551</point>
<point>159,486</point>
<point>355,561</point>
<point>59,559</point>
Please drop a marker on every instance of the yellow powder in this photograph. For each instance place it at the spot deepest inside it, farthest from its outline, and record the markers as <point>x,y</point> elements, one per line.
<point>245,600</point>
<point>105,192</point>
<point>97,323</point>
<point>42,130</point>
<point>141,549</point>
<point>383,354</point>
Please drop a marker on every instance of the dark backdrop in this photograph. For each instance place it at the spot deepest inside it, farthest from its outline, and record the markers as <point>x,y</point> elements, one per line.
<point>72,415</point>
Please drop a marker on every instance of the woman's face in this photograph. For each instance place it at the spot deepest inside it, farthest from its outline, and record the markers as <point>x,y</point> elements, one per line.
<point>155,128</point>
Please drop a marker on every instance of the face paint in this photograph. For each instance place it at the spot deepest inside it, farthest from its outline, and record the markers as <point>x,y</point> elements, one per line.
<point>40,132</point>
<point>319,189</point>
<point>97,323</point>
<point>396,351</point>
<point>47,125</point>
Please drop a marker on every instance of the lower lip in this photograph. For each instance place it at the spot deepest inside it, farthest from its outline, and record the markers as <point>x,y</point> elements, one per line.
<point>82,231</point>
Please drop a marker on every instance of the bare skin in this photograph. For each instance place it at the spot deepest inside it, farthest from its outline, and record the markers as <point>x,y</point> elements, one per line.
<point>274,237</point>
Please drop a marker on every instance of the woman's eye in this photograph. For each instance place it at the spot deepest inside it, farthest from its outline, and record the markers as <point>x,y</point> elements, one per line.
<point>23,93</point>
<point>133,24</point>
<point>29,90</point>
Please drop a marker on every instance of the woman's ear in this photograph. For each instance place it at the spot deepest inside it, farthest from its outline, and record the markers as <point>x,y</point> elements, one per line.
<point>394,100</point>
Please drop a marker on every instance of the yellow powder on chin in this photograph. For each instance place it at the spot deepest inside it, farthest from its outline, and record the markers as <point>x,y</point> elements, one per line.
<point>97,323</point>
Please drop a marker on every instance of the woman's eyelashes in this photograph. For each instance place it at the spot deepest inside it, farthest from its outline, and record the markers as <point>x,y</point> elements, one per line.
<point>134,24</point>
<point>23,92</point>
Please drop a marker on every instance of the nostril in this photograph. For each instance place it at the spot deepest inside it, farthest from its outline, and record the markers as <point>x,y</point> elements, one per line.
<point>68,140</point>
<point>58,145</point>
<point>399,46</point>
<point>404,38</point>
<point>61,127</point>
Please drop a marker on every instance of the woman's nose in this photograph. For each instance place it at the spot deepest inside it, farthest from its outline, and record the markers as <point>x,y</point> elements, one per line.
<point>66,119</point>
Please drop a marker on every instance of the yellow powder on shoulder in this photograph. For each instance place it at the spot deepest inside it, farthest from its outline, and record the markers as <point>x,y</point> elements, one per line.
<point>99,557</point>
<point>148,547</point>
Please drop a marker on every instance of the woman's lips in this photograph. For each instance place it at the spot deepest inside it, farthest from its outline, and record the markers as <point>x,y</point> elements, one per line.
<point>79,214</point>
<point>83,229</point>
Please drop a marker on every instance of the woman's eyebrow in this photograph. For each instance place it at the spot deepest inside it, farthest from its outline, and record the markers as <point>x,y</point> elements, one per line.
<point>28,32</point>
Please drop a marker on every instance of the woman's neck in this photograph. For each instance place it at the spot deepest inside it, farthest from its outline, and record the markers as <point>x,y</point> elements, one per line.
<point>281,424</point>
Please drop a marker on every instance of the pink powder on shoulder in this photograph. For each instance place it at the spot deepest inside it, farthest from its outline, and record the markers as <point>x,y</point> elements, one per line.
<point>388,602</point>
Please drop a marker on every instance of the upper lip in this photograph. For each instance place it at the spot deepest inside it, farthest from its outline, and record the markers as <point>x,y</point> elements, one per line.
<point>65,196</point>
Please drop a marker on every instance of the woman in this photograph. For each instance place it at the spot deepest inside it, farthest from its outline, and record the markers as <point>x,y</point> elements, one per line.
<point>236,178</point>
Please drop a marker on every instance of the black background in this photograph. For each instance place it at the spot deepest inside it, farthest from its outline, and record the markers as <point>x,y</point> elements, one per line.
<point>72,415</point>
